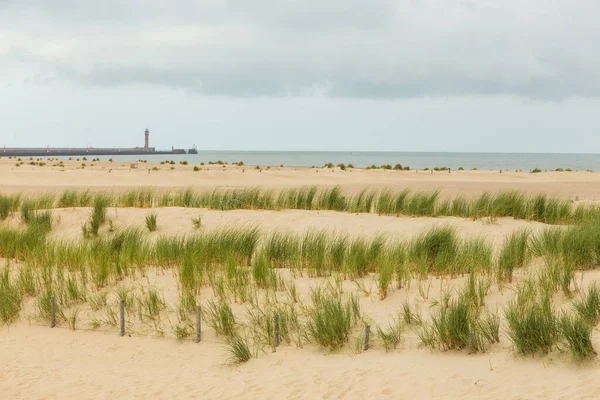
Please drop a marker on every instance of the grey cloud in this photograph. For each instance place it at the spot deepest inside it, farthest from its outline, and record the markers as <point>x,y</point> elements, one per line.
<point>351,48</point>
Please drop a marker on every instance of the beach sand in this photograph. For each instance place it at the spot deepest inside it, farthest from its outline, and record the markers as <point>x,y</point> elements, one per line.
<point>27,178</point>
<point>40,362</point>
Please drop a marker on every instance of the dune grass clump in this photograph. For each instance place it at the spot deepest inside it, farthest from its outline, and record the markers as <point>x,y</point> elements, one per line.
<point>421,204</point>
<point>182,331</point>
<point>74,198</point>
<point>331,320</point>
<point>475,255</point>
<point>72,318</point>
<point>389,203</point>
<point>283,249</point>
<point>97,300</point>
<point>68,198</point>
<point>20,244</point>
<point>263,273</point>
<point>261,324</point>
<point>331,199</point>
<point>219,316</point>
<point>197,222</point>
<point>363,203</point>
<point>191,274</point>
<point>140,198</point>
<point>361,256</point>
<point>237,244</point>
<point>556,275</point>
<point>385,268</point>
<point>27,209</point>
<point>577,245</point>
<point>98,215</point>
<point>449,327</point>
<point>392,336</point>
<point>10,298</point>
<point>587,306</point>
<point>557,211</point>
<point>217,247</point>
<point>457,324</point>
<point>406,203</point>
<point>238,279</point>
<point>532,324</point>
<point>8,204</point>
<point>296,199</point>
<point>151,303</point>
<point>248,199</point>
<point>577,333</point>
<point>151,222</point>
<point>239,350</point>
<point>314,250</point>
<point>410,315</point>
<point>514,254</point>
<point>434,251</point>
<point>475,290</point>
<point>41,220</point>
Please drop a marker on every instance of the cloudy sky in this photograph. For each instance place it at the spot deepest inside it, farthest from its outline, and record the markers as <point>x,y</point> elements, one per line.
<point>405,75</point>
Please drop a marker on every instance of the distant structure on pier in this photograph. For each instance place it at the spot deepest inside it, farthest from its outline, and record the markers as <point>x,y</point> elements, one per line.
<point>74,151</point>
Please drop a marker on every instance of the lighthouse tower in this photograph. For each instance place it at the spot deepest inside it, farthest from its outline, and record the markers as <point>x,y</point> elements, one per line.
<point>147,135</point>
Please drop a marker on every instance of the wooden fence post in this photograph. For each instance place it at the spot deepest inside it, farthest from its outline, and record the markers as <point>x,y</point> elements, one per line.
<point>198,324</point>
<point>276,330</point>
<point>52,312</point>
<point>367,333</point>
<point>122,312</point>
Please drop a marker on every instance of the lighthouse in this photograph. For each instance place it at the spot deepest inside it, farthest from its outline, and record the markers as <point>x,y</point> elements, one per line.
<point>147,135</point>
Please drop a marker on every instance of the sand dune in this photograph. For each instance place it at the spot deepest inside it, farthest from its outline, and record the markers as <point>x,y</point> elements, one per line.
<point>40,362</point>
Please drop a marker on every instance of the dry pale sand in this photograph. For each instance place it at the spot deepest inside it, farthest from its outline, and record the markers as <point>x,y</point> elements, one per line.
<point>55,364</point>
<point>585,185</point>
<point>39,362</point>
<point>177,221</point>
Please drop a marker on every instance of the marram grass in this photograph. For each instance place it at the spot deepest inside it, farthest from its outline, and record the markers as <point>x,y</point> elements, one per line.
<point>519,205</point>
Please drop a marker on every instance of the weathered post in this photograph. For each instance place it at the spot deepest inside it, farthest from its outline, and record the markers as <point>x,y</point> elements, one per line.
<point>276,330</point>
<point>52,312</point>
<point>198,324</point>
<point>367,333</point>
<point>122,312</point>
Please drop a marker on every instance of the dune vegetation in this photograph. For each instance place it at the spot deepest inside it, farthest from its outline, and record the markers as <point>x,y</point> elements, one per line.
<point>245,279</point>
<point>519,205</point>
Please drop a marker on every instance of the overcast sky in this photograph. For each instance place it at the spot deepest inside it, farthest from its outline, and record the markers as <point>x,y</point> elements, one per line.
<point>405,75</point>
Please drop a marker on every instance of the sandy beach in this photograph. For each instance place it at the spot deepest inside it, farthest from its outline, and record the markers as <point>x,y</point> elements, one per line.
<point>86,363</point>
<point>28,178</point>
<point>300,200</point>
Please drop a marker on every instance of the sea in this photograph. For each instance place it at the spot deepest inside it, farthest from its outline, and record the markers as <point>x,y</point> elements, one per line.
<point>420,160</point>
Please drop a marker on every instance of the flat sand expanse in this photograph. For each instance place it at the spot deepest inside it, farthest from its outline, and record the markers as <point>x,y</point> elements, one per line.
<point>27,178</point>
<point>39,362</point>
<point>58,364</point>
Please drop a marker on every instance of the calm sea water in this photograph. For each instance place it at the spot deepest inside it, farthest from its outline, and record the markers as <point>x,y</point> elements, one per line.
<point>483,161</point>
